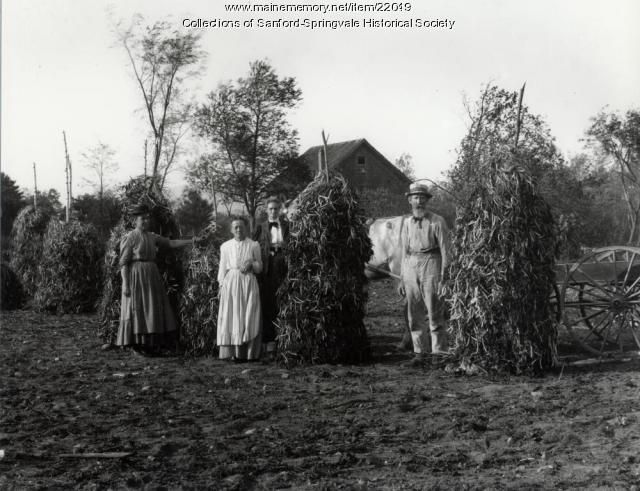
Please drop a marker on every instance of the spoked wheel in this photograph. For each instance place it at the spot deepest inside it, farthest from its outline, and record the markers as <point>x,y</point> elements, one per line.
<point>556,304</point>
<point>601,300</point>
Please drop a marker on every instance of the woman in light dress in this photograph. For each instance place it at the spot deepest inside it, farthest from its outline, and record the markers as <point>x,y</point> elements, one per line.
<point>239,335</point>
<point>147,322</point>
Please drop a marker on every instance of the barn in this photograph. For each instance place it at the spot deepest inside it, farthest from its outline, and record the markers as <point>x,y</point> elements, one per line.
<point>381,184</point>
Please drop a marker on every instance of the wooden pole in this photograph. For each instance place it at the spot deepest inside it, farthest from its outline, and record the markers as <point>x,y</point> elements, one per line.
<point>325,139</point>
<point>519,122</point>
<point>68,177</point>
<point>35,188</point>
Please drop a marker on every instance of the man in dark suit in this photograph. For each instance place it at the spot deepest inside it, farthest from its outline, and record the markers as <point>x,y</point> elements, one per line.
<point>272,235</point>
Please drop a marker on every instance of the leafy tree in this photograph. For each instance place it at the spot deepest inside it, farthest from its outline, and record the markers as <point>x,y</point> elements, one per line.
<point>99,160</point>
<point>194,213</point>
<point>103,213</point>
<point>619,138</point>
<point>604,218</point>
<point>291,180</point>
<point>12,201</point>
<point>162,59</point>
<point>246,123</point>
<point>405,164</point>
<point>205,174</point>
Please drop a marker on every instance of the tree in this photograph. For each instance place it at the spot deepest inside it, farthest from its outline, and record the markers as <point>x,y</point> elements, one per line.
<point>194,212</point>
<point>48,202</point>
<point>99,160</point>
<point>12,202</point>
<point>205,174</point>
<point>246,123</point>
<point>102,212</point>
<point>405,164</point>
<point>162,59</point>
<point>103,209</point>
<point>619,138</point>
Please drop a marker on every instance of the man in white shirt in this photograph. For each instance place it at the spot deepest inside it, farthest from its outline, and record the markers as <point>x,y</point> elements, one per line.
<point>272,235</point>
<point>424,240</point>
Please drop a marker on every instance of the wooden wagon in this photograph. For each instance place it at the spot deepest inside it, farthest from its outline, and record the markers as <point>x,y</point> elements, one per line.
<point>599,299</point>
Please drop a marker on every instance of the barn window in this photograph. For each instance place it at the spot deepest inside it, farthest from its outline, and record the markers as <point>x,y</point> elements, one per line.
<point>361,163</point>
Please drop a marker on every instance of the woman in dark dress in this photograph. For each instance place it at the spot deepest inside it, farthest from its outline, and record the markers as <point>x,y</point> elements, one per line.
<point>147,321</point>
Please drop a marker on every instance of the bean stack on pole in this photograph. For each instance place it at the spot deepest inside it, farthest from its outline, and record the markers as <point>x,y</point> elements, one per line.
<point>26,238</point>
<point>322,298</point>
<point>501,274</point>
<point>199,295</point>
<point>70,277</point>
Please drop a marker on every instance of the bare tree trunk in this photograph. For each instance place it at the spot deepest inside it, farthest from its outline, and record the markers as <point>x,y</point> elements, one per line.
<point>214,196</point>
<point>251,211</point>
<point>145,157</point>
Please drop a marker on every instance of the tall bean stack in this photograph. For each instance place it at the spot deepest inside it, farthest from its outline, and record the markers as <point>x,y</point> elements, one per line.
<point>138,190</point>
<point>26,238</point>
<point>322,299</point>
<point>502,274</point>
<point>199,296</point>
<point>69,279</point>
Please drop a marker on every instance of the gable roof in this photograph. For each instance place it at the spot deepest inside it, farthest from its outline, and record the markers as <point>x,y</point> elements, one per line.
<point>339,152</point>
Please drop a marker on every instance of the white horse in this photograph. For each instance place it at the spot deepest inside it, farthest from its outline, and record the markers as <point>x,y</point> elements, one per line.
<point>386,261</point>
<point>387,252</point>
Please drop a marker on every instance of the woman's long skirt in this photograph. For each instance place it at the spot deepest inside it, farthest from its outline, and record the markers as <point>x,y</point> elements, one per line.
<point>146,317</point>
<point>239,318</point>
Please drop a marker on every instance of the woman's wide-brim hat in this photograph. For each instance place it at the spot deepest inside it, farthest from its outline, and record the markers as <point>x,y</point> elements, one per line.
<point>419,188</point>
<point>139,209</point>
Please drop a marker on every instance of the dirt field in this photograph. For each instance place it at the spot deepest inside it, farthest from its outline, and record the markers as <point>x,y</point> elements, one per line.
<point>186,424</point>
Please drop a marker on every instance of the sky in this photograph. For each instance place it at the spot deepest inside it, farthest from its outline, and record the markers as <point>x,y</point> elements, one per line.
<point>401,88</point>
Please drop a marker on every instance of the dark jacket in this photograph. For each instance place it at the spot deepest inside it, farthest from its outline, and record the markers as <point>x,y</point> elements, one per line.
<point>262,235</point>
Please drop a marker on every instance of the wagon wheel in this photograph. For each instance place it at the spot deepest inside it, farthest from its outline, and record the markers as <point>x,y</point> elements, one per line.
<point>607,257</point>
<point>601,300</point>
<point>556,303</point>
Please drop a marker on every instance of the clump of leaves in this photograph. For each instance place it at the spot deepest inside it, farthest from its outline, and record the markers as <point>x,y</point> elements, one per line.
<point>199,295</point>
<point>70,278</point>
<point>138,190</point>
<point>322,298</point>
<point>12,294</point>
<point>26,237</point>
<point>501,276</point>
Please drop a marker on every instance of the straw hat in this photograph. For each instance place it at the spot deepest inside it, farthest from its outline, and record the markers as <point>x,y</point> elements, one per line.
<point>418,188</point>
